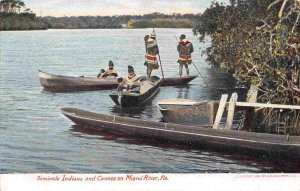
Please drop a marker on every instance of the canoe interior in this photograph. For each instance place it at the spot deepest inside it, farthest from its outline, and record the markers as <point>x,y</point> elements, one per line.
<point>148,90</point>
<point>198,114</point>
<point>188,112</point>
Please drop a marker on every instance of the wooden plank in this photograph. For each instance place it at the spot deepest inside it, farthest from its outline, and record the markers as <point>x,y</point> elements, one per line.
<point>220,111</point>
<point>268,105</point>
<point>252,93</point>
<point>230,113</point>
<point>249,113</point>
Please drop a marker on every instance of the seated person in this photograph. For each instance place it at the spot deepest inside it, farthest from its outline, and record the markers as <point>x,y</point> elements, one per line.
<point>110,72</point>
<point>132,77</point>
<point>102,71</point>
<point>130,83</point>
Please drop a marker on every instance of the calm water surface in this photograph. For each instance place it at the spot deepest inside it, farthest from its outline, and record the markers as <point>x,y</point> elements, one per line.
<point>36,137</point>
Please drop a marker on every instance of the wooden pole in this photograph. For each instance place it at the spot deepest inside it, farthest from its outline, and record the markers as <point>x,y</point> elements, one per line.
<point>162,72</point>
<point>200,73</point>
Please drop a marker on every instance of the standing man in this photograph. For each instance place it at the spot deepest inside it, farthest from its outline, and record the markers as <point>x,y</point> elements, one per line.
<point>151,52</point>
<point>185,49</point>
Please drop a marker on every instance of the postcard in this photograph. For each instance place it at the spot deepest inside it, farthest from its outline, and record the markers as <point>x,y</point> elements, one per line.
<point>149,95</point>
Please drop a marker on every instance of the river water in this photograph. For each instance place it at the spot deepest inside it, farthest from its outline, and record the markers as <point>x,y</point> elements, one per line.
<point>37,138</point>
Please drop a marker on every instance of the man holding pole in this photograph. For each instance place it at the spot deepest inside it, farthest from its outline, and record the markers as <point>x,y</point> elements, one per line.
<point>185,50</point>
<point>151,52</point>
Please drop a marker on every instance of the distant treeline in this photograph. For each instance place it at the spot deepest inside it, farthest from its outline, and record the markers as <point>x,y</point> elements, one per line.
<point>28,21</point>
<point>22,21</point>
<point>122,21</point>
<point>161,23</point>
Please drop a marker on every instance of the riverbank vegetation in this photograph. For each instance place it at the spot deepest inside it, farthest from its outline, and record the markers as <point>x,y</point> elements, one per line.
<point>259,41</point>
<point>160,23</point>
<point>15,16</point>
<point>157,20</point>
<point>23,21</point>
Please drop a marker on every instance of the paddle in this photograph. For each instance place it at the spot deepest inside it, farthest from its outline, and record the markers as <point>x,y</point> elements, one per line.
<point>200,74</point>
<point>162,72</point>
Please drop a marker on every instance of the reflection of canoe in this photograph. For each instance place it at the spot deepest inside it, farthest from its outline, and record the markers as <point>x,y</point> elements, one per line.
<point>189,112</point>
<point>147,91</point>
<point>71,83</point>
<point>177,81</point>
<point>192,135</point>
<point>68,83</point>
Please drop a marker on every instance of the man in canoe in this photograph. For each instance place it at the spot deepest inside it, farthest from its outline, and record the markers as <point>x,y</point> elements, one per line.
<point>110,72</point>
<point>130,83</point>
<point>185,49</point>
<point>151,52</point>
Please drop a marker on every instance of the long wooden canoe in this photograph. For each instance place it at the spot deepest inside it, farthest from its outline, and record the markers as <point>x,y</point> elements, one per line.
<point>147,91</point>
<point>70,83</point>
<point>193,135</point>
<point>62,83</point>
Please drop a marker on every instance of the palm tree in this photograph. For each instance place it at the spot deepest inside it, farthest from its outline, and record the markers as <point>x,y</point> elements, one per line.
<point>11,6</point>
<point>19,4</point>
<point>5,6</point>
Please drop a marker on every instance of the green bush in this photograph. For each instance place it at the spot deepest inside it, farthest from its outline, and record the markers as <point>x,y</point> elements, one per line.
<point>260,42</point>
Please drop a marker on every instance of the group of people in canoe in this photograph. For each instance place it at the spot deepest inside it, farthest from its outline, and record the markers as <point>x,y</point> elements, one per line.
<point>184,48</point>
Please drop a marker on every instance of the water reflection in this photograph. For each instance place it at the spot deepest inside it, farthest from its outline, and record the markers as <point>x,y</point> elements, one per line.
<point>134,112</point>
<point>183,91</point>
<point>222,82</point>
<point>206,159</point>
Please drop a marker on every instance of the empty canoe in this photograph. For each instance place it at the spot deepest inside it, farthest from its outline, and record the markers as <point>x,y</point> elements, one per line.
<point>186,134</point>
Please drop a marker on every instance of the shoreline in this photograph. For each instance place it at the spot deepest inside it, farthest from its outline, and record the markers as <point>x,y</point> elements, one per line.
<point>89,29</point>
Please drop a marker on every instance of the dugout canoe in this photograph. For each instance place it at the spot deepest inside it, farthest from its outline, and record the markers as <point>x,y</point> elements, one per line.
<point>148,89</point>
<point>177,81</point>
<point>61,83</point>
<point>185,134</point>
<point>188,112</point>
<point>71,83</point>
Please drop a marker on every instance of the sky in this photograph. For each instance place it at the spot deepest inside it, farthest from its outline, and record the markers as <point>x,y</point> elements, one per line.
<point>115,7</point>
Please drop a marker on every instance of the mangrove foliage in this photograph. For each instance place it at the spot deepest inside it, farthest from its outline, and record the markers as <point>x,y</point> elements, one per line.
<point>259,41</point>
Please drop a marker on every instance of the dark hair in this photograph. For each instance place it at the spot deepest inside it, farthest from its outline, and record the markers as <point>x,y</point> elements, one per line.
<point>130,68</point>
<point>102,71</point>
<point>120,80</point>
<point>110,63</point>
<point>182,36</point>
